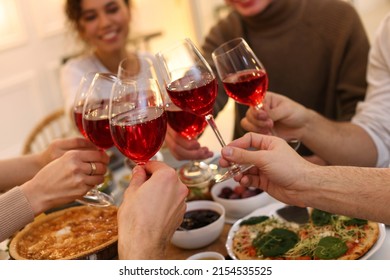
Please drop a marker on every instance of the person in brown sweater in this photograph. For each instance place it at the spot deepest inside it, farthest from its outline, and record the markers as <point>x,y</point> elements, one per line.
<point>315,52</point>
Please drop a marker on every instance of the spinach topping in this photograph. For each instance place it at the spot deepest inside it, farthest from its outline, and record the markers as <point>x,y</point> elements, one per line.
<point>254,220</point>
<point>275,243</point>
<point>320,218</point>
<point>355,222</point>
<point>330,248</point>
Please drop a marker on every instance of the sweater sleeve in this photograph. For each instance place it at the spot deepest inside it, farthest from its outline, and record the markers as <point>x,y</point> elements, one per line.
<point>351,84</point>
<point>15,212</point>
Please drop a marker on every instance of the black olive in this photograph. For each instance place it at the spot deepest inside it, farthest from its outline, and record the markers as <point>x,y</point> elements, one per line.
<point>199,218</point>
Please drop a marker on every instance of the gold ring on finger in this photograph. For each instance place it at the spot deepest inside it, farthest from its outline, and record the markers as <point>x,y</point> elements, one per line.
<point>93,168</point>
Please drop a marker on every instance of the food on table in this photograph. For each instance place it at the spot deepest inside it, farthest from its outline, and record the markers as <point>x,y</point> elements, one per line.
<point>239,192</point>
<point>74,233</point>
<point>198,218</point>
<point>324,236</point>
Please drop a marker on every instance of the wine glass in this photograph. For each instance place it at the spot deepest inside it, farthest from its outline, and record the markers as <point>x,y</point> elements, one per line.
<point>189,126</point>
<point>138,121</point>
<point>93,96</point>
<point>192,86</point>
<point>243,76</point>
<point>79,101</point>
<point>136,68</point>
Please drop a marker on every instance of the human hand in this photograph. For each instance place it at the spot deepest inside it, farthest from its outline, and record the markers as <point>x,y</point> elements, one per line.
<point>286,117</point>
<point>65,179</point>
<point>152,209</point>
<point>59,146</point>
<point>278,169</point>
<point>184,149</point>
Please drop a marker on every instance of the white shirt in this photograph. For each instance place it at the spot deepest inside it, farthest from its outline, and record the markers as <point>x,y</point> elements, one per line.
<point>74,69</point>
<point>373,114</point>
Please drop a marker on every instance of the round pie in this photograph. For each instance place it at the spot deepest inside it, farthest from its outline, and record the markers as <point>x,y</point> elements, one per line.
<point>82,232</point>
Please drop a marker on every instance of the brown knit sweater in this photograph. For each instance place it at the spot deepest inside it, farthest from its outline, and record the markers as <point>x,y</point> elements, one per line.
<point>15,212</point>
<point>314,51</point>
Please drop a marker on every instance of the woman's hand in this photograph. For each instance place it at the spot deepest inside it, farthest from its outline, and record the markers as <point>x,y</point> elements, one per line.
<point>65,179</point>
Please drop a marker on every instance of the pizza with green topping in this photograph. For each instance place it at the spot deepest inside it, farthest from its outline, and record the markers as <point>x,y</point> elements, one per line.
<point>324,236</point>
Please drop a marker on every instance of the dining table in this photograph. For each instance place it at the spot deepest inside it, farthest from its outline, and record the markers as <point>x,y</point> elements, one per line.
<point>121,174</point>
<point>219,245</point>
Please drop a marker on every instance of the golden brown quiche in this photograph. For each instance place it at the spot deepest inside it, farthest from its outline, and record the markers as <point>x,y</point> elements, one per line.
<point>82,232</point>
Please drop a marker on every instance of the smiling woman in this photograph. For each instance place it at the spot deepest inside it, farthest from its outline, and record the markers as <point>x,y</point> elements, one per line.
<point>103,25</point>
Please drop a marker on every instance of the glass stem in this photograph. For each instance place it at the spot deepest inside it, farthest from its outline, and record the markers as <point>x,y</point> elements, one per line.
<point>211,122</point>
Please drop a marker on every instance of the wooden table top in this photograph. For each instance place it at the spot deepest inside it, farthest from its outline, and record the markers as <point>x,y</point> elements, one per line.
<point>176,253</point>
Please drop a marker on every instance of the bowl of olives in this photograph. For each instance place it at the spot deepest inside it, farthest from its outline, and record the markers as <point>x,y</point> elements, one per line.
<point>202,224</point>
<point>237,200</point>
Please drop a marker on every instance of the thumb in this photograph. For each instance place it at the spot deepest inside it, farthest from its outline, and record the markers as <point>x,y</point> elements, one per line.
<point>138,177</point>
<point>277,113</point>
<point>241,156</point>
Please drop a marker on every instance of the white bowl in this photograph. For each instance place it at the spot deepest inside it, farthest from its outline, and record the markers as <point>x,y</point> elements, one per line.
<point>209,255</point>
<point>238,208</point>
<point>200,237</point>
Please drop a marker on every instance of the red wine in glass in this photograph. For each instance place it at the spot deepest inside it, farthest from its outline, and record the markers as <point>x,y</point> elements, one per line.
<point>247,86</point>
<point>243,76</point>
<point>97,128</point>
<point>95,123</point>
<point>138,120</point>
<point>194,95</point>
<point>189,126</point>
<point>78,119</point>
<point>137,140</point>
<point>81,95</point>
<point>191,85</point>
<point>186,124</point>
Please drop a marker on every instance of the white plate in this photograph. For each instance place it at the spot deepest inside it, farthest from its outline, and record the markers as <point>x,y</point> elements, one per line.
<point>271,210</point>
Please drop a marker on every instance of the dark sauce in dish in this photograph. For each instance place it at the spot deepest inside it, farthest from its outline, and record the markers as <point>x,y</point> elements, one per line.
<point>199,218</point>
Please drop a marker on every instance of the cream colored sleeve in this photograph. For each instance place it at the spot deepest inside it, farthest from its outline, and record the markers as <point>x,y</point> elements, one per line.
<point>15,212</point>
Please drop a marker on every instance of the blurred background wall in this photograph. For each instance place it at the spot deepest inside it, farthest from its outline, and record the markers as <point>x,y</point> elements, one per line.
<point>34,39</point>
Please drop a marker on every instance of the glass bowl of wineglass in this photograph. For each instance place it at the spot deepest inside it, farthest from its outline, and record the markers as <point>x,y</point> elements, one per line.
<point>79,101</point>
<point>95,124</point>
<point>243,76</point>
<point>197,175</point>
<point>136,68</point>
<point>138,121</point>
<point>192,86</point>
